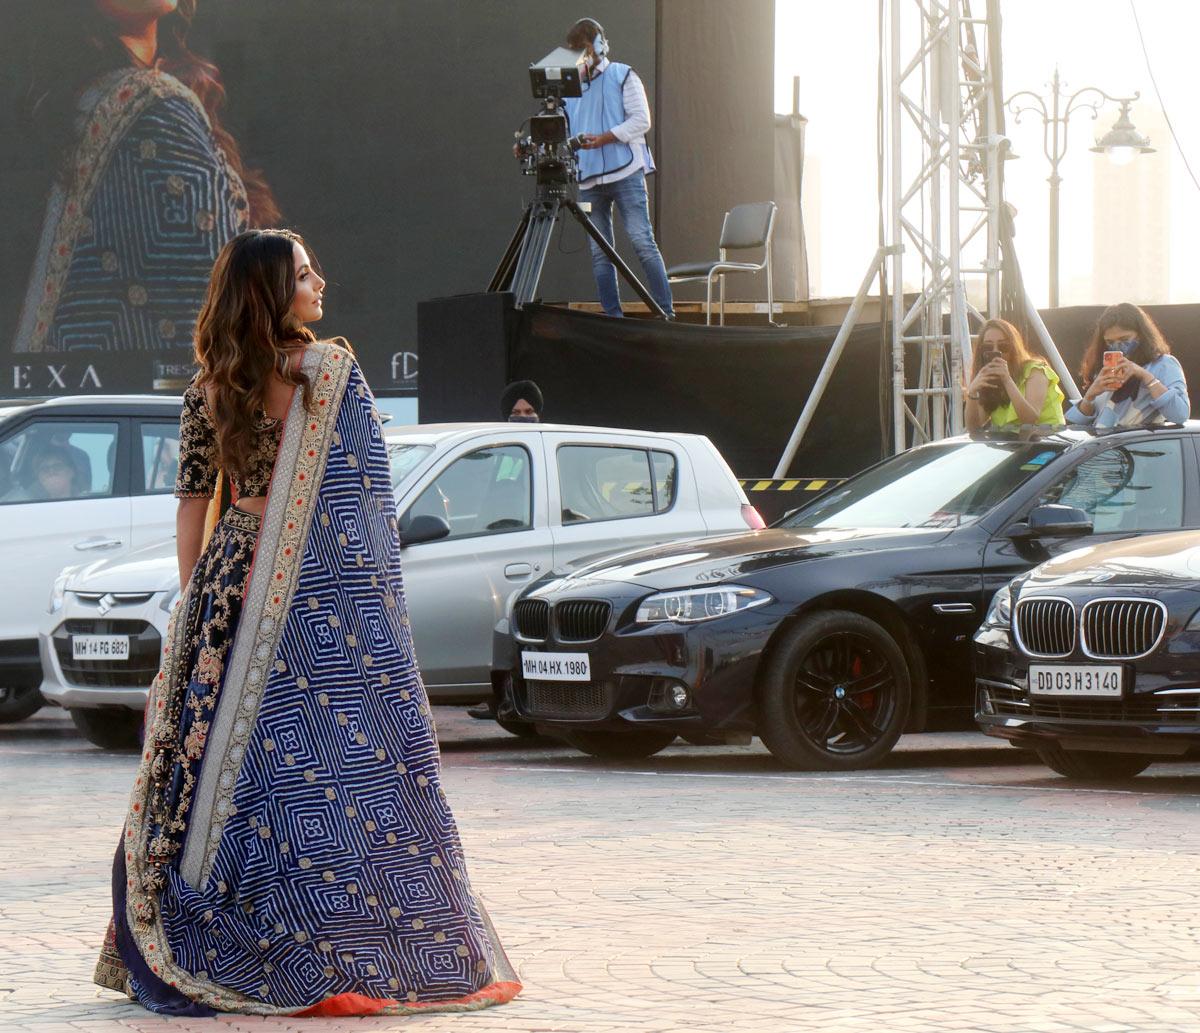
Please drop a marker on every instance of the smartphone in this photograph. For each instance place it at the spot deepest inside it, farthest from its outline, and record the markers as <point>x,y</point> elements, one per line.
<point>988,355</point>
<point>1112,358</point>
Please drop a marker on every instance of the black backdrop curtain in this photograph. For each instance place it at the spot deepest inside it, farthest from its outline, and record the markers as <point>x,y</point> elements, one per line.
<point>743,387</point>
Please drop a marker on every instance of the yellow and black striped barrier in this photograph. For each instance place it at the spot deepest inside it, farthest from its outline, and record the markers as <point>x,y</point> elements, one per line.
<point>773,497</point>
<point>790,484</point>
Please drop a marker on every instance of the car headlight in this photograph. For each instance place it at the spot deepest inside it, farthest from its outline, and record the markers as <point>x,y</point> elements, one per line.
<point>999,614</point>
<point>1194,623</point>
<point>169,601</point>
<point>698,604</point>
<point>58,591</point>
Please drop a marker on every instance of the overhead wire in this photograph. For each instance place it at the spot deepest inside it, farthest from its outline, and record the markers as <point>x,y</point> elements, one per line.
<point>1158,93</point>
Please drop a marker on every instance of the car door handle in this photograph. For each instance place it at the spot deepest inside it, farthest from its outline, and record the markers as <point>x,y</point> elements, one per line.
<point>88,544</point>
<point>517,570</point>
<point>949,609</point>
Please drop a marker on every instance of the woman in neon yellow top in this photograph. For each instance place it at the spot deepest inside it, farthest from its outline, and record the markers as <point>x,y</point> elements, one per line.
<point>1009,386</point>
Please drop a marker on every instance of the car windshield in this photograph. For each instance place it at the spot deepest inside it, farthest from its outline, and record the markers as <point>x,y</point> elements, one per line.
<point>404,459</point>
<point>943,485</point>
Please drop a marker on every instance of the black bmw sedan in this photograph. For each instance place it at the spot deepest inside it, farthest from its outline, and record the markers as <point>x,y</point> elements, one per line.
<point>1093,659</point>
<point>847,623</point>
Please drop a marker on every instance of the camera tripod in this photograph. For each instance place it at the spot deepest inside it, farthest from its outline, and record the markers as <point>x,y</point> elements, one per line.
<point>520,269</point>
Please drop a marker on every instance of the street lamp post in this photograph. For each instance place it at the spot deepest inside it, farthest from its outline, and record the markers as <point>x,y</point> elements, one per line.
<point>1121,143</point>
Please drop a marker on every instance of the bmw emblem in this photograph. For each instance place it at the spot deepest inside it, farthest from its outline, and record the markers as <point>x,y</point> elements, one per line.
<point>840,692</point>
<point>1101,578</point>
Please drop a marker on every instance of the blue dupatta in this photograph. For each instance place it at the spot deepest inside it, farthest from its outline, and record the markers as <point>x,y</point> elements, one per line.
<point>321,871</point>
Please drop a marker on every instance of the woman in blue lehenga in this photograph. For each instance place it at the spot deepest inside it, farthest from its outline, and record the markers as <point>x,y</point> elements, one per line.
<point>288,849</point>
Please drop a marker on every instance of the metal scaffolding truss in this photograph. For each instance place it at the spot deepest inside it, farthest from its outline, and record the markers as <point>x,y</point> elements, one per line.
<point>941,195</point>
<point>943,206</point>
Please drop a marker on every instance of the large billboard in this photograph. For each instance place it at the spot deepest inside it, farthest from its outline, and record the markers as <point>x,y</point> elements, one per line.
<point>139,135</point>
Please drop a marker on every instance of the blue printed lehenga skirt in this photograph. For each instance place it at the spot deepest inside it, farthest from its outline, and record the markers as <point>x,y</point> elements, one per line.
<point>288,849</point>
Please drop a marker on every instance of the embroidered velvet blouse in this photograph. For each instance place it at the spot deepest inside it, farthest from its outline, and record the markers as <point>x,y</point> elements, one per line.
<point>197,477</point>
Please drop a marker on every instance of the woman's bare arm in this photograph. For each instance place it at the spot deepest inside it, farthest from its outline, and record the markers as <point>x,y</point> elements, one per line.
<point>1029,405</point>
<point>189,535</point>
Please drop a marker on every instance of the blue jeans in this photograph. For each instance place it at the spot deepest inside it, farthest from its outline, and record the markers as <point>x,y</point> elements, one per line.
<point>629,195</point>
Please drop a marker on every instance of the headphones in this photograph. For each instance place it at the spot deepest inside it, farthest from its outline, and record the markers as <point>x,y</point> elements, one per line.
<point>599,41</point>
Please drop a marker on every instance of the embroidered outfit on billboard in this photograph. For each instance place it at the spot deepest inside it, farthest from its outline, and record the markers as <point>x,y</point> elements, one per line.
<point>288,849</point>
<point>142,206</point>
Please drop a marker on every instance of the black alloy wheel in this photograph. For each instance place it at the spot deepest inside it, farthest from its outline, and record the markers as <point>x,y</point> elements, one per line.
<point>1091,765</point>
<point>635,744</point>
<point>16,704</point>
<point>109,728</point>
<point>835,695</point>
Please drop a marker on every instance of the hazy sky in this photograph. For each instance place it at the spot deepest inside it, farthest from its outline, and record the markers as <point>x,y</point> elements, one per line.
<point>832,47</point>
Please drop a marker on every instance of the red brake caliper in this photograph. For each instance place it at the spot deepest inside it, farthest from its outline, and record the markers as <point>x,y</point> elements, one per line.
<point>867,699</point>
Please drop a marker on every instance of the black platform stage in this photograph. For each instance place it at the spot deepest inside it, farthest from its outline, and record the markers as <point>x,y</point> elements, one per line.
<point>744,387</point>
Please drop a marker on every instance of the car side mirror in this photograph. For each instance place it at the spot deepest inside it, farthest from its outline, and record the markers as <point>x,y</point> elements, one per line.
<point>1054,521</point>
<point>423,528</point>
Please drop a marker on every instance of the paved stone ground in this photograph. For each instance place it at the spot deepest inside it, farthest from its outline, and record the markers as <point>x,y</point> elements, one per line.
<point>959,888</point>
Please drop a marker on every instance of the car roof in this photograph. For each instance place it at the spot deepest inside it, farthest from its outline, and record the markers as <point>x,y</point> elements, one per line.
<point>76,405</point>
<point>449,433</point>
<point>1075,436</point>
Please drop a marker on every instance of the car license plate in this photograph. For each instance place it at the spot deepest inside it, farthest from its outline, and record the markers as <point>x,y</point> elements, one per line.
<point>1084,681</point>
<point>556,667</point>
<point>100,647</point>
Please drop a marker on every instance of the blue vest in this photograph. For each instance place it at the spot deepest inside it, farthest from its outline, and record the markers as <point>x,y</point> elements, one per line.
<point>601,107</point>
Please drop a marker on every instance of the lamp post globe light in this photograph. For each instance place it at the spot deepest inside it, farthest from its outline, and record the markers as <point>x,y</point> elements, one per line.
<point>1122,143</point>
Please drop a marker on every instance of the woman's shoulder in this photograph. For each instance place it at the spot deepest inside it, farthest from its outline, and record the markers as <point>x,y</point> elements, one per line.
<point>337,349</point>
<point>195,397</point>
<point>134,89</point>
<point>334,344</point>
<point>1042,366</point>
<point>1165,361</point>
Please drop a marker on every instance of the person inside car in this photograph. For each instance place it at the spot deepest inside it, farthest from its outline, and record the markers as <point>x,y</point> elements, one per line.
<point>53,476</point>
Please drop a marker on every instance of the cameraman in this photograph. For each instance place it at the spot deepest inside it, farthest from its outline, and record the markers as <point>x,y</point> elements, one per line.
<point>612,119</point>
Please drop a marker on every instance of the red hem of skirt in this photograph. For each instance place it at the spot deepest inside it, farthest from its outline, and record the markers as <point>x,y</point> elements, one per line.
<point>356,1004</point>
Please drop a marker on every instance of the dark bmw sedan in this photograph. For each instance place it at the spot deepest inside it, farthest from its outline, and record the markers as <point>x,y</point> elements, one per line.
<point>847,623</point>
<point>1093,659</point>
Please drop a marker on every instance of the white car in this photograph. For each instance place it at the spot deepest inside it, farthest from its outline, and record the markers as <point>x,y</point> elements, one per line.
<point>484,509</point>
<point>80,477</point>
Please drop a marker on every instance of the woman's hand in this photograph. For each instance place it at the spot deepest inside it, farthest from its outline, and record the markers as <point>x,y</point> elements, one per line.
<point>991,375</point>
<point>1104,381</point>
<point>1123,370</point>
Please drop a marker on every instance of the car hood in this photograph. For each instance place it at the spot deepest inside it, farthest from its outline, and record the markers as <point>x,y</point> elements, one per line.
<point>728,557</point>
<point>1155,560</point>
<point>152,568</point>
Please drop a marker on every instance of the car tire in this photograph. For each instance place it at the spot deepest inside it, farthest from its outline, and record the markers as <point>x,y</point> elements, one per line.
<point>524,729</point>
<point>635,744</point>
<point>16,704</point>
<point>835,694</point>
<point>1093,766</point>
<point>110,729</point>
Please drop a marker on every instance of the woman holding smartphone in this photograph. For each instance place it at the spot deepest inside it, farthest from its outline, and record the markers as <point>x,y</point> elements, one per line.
<point>1009,386</point>
<point>1131,377</point>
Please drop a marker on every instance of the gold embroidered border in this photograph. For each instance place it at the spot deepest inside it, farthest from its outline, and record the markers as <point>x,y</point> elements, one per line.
<point>286,522</point>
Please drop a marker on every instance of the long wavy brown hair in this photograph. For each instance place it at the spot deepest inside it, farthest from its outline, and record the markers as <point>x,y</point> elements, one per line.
<point>68,44</point>
<point>1018,354</point>
<point>1151,343</point>
<point>245,333</point>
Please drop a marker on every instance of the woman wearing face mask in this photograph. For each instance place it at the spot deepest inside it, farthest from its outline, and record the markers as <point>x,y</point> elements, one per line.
<point>1131,376</point>
<point>1008,384</point>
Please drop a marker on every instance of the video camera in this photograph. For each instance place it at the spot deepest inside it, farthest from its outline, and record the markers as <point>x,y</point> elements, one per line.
<point>547,152</point>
